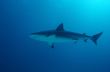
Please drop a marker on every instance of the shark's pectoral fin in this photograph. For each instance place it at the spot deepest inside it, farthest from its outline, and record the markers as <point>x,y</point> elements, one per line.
<point>51,40</point>
<point>51,44</point>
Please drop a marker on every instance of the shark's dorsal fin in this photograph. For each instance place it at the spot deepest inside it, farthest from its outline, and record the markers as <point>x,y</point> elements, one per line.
<point>60,28</point>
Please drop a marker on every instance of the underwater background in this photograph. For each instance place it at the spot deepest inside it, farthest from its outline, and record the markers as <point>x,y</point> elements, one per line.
<point>20,18</point>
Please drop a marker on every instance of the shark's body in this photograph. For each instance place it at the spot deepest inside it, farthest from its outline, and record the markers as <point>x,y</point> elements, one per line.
<point>60,35</point>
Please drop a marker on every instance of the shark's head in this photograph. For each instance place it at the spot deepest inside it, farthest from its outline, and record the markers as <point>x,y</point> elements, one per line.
<point>42,36</point>
<point>35,36</point>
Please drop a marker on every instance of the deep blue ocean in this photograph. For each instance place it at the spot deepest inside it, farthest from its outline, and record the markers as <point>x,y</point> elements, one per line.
<point>20,18</point>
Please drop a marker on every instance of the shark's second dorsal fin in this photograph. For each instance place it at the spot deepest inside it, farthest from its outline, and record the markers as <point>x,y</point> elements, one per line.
<point>60,28</point>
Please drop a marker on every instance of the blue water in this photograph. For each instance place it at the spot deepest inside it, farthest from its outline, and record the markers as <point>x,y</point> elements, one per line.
<point>20,18</point>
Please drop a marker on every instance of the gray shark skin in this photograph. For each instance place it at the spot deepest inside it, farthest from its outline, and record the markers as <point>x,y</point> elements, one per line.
<point>60,35</point>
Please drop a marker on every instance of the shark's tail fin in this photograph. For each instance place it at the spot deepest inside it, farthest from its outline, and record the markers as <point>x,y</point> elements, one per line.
<point>94,38</point>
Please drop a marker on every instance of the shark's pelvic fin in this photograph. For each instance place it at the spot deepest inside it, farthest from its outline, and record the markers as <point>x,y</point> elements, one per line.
<point>60,28</point>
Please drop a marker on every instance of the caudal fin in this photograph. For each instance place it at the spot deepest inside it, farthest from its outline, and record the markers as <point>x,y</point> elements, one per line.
<point>94,38</point>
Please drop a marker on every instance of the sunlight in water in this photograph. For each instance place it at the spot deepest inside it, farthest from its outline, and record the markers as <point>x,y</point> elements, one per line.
<point>89,3</point>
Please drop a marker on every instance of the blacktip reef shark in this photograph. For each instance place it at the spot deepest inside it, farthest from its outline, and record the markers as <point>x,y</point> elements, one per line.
<point>59,35</point>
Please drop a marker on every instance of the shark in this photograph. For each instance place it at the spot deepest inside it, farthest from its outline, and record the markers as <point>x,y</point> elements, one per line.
<point>60,35</point>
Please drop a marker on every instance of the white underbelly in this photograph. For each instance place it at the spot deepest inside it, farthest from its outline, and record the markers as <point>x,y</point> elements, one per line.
<point>52,38</point>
